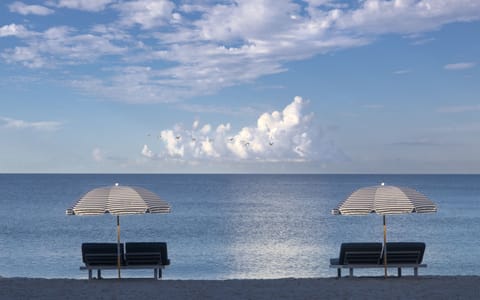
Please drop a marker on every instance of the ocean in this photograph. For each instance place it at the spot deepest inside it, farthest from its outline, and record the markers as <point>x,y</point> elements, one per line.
<point>234,226</point>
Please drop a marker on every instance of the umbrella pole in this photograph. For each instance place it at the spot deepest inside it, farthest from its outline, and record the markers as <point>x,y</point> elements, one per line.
<point>385,245</point>
<point>118,246</point>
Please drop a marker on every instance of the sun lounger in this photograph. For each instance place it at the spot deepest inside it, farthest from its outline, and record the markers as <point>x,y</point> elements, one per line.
<point>147,254</point>
<point>370,255</point>
<point>404,255</point>
<point>98,256</point>
<point>356,255</point>
<point>103,256</point>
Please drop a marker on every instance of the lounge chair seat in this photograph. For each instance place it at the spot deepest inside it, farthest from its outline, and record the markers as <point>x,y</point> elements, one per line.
<point>103,256</point>
<point>146,253</point>
<point>405,254</point>
<point>95,254</point>
<point>370,255</point>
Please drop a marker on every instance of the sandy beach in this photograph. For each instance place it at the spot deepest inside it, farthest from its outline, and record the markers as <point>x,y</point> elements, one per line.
<point>423,287</point>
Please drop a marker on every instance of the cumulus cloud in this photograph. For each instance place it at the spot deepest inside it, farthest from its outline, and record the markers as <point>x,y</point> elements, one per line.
<point>24,9</point>
<point>459,66</point>
<point>287,135</point>
<point>21,124</point>
<point>147,152</point>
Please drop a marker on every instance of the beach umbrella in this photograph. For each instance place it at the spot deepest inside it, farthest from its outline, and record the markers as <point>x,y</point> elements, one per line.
<point>118,200</point>
<point>385,200</point>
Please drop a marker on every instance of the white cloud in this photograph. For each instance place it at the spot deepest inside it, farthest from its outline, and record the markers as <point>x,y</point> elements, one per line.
<point>98,155</point>
<point>287,135</point>
<point>147,152</point>
<point>13,30</point>
<point>406,16</point>
<point>259,36</point>
<point>21,124</point>
<point>26,56</point>
<point>182,51</point>
<point>173,143</point>
<point>246,19</point>
<point>88,5</point>
<point>402,72</point>
<point>459,66</point>
<point>24,9</point>
<point>147,13</point>
<point>57,45</point>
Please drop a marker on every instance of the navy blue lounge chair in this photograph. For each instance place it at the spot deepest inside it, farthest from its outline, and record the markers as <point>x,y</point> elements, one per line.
<point>405,254</point>
<point>95,254</point>
<point>146,253</point>
<point>370,255</point>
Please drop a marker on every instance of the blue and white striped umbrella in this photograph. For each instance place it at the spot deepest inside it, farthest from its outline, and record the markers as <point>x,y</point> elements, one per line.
<point>118,200</point>
<point>385,200</point>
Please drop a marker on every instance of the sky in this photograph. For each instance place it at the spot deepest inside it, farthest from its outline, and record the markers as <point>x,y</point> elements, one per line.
<point>272,86</point>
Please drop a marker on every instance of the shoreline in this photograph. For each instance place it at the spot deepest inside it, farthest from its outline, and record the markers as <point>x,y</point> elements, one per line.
<point>407,287</point>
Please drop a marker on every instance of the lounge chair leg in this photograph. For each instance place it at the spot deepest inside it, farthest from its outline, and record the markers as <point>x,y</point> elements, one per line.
<point>99,274</point>
<point>415,271</point>
<point>89,274</point>
<point>155,274</point>
<point>351,272</point>
<point>339,273</point>
<point>399,272</point>
<point>160,273</point>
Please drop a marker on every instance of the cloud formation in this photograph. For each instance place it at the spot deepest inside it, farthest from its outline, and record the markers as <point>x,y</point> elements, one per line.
<point>176,49</point>
<point>287,135</point>
<point>24,9</point>
<point>21,124</point>
<point>98,155</point>
<point>88,5</point>
<point>13,30</point>
<point>459,66</point>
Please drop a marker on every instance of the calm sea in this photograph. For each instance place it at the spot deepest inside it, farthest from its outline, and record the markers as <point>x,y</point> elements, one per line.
<point>234,226</point>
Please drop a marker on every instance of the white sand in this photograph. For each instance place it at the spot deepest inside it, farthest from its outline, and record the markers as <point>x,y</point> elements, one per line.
<point>422,287</point>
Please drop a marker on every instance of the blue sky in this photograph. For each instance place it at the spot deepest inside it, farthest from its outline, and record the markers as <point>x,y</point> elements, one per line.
<point>273,86</point>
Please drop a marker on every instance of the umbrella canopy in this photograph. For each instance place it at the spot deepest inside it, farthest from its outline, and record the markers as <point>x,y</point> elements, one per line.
<point>385,200</point>
<point>118,200</point>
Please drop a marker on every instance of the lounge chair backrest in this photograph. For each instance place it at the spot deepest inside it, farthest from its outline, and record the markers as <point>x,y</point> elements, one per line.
<point>360,253</point>
<point>101,253</point>
<point>146,253</point>
<point>405,252</point>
